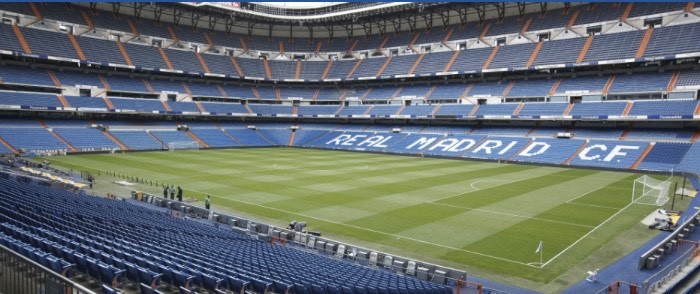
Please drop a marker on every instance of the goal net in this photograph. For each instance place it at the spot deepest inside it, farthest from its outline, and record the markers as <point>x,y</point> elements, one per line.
<point>650,191</point>
<point>172,146</point>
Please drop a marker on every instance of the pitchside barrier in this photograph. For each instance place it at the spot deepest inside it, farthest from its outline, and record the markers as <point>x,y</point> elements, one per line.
<point>653,257</point>
<point>661,278</point>
<point>313,242</point>
<point>23,275</point>
<point>619,287</point>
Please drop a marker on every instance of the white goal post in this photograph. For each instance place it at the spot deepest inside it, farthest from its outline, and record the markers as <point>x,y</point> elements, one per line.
<point>189,145</point>
<point>650,191</point>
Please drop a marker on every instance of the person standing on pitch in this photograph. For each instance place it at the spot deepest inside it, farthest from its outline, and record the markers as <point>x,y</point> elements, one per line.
<point>207,203</point>
<point>179,194</point>
<point>172,192</point>
<point>165,192</point>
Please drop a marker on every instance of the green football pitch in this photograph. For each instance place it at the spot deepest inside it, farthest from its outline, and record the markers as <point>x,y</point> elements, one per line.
<point>483,217</point>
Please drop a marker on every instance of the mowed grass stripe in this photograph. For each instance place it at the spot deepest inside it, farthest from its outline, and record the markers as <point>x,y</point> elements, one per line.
<point>363,192</point>
<point>602,197</point>
<point>503,192</point>
<point>247,180</point>
<point>557,235</point>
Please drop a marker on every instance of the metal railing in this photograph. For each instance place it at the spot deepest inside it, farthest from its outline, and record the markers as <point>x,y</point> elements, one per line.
<point>684,229</point>
<point>658,279</point>
<point>309,242</point>
<point>19,274</point>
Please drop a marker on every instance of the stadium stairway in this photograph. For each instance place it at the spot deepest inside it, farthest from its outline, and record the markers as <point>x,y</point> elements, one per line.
<point>3,142</point>
<point>494,51</point>
<point>63,100</point>
<point>21,39</point>
<point>536,51</point>
<point>221,90</point>
<point>297,70</point>
<point>203,63</point>
<point>352,47</point>
<point>76,46</point>
<point>266,65</point>
<point>87,19</point>
<point>326,70</point>
<point>291,139</point>
<point>172,34</point>
<point>568,160</point>
<point>200,106</point>
<point>415,65</point>
<point>629,106</point>
<point>641,157</point>
<point>53,78</point>
<point>584,49</point>
<point>108,103</point>
<point>452,61</point>
<point>354,67</point>
<point>166,106</point>
<point>243,44</point>
<point>555,87</point>
<point>57,136</point>
<point>115,140</point>
<point>124,53</point>
<point>645,41</point>
<point>384,66</point>
<point>165,58</point>
<point>626,12</point>
<point>197,139</point>
<point>132,27</point>
<point>154,137</point>
<point>696,136</point>
<point>611,80</point>
<point>36,11</point>
<point>236,66</point>
<point>572,20</point>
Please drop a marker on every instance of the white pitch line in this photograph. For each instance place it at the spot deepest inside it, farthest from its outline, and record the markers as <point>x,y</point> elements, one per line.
<point>370,230</point>
<point>592,205</point>
<point>586,235</point>
<point>514,215</point>
<point>591,231</point>
<point>360,228</point>
<point>505,182</point>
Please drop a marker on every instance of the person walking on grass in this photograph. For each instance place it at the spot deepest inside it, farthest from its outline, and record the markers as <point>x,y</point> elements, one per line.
<point>207,202</point>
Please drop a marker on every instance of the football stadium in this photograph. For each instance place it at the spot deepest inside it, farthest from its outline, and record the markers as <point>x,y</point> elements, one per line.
<point>349,147</point>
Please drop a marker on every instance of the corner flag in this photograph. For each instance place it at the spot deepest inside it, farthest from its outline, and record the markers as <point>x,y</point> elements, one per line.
<point>539,248</point>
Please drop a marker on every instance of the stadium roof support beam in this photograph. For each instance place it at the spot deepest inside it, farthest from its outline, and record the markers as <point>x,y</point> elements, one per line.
<point>158,14</point>
<point>177,15</point>
<point>229,25</point>
<point>194,20</point>
<point>480,12</point>
<point>412,20</point>
<point>428,19</point>
<point>396,25</point>
<point>116,8</point>
<point>138,9</point>
<point>500,9</point>
<point>462,15</point>
<point>213,21</point>
<point>543,7</point>
<point>521,9</point>
<point>444,18</point>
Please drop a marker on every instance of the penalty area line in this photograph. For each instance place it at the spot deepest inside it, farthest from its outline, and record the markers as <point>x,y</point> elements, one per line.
<point>360,228</point>
<point>371,230</point>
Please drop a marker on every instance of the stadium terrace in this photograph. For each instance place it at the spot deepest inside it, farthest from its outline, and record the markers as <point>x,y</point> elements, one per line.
<point>352,147</point>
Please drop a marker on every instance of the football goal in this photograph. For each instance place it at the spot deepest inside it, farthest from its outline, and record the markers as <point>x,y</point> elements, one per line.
<point>189,145</point>
<point>650,191</point>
